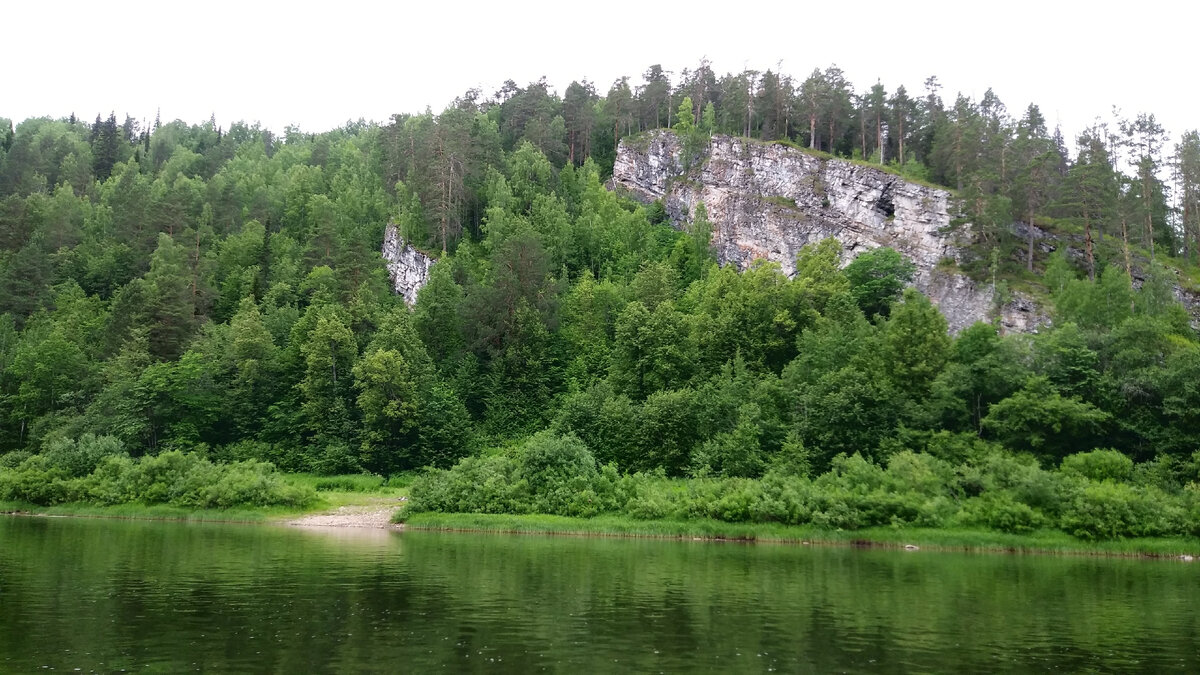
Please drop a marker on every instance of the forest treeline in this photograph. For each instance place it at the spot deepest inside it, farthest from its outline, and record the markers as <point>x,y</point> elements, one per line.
<point>220,291</point>
<point>1124,178</point>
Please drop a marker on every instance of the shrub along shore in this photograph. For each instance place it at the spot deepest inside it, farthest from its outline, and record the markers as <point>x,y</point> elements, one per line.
<point>1093,502</point>
<point>96,470</point>
<point>953,496</point>
<point>922,538</point>
<point>94,477</point>
<point>935,539</point>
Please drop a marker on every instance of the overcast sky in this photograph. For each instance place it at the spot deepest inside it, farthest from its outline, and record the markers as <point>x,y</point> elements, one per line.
<point>319,65</point>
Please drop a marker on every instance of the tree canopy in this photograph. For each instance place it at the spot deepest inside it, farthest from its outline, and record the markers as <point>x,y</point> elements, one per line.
<point>220,290</point>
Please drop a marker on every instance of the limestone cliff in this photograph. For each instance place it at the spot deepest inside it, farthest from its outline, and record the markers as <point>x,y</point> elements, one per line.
<point>408,267</point>
<point>767,200</point>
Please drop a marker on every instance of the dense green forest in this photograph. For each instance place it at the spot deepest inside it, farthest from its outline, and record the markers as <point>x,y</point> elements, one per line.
<point>219,291</point>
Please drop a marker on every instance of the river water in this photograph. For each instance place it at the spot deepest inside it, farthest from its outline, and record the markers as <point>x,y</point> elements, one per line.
<point>112,596</point>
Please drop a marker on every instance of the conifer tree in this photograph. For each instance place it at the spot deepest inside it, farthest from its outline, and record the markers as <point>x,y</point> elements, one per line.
<point>169,299</point>
<point>1090,191</point>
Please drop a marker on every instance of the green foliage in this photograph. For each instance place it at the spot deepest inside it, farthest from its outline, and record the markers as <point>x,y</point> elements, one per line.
<point>437,317</point>
<point>389,400</point>
<point>916,345</point>
<point>651,350</point>
<point>220,291</point>
<point>876,279</point>
<point>329,352</point>
<point>78,458</point>
<point>563,476</point>
<point>685,121</point>
<point>793,459</point>
<point>1001,511</point>
<point>667,431</point>
<point>693,135</point>
<point>589,316</point>
<point>1110,510</point>
<point>548,474</point>
<point>1102,305</point>
<point>735,453</point>
<point>1099,465</point>
<point>601,418</point>
<point>174,478</point>
<point>983,370</point>
<point>756,314</point>
<point>347,483</point>
<point>1040,420</point>
<point>486,484</point>
<point>991,491</point>
<point>845,411</point>
<point>818,275</point>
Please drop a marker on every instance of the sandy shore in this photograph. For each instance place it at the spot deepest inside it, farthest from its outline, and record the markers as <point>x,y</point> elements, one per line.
<point>370,515</point>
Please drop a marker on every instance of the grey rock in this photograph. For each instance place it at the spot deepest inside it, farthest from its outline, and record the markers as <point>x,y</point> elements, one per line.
<point>768,200</point>
<point>408,267</point>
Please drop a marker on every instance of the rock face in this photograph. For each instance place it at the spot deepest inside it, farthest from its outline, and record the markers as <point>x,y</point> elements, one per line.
<point>408,267</point>
<point>767,200</point>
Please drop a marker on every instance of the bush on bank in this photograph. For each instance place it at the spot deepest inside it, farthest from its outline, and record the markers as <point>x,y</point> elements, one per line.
<point>97,470</point>
<point>1094,495</point>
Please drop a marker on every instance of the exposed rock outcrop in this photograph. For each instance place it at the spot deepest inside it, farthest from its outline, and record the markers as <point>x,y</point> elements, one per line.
<point>408,267</point>
<point>767,200</point>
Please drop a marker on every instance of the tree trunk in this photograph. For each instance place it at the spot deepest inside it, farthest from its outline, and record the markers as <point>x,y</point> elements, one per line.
<point>1125,240</point>
<point>1091,261</point>
<point>1186,240</point>
<point>1195,231</point>
<point>1149,214</point>
<point>879,136</point>
<point>749,103</point>
<point>1029,255</point>
<point>862,136</point>
<point>958,175</point>
<point>445,215</point>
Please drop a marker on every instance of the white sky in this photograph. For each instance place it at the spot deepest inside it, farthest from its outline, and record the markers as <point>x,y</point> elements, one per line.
<point>319,65</point>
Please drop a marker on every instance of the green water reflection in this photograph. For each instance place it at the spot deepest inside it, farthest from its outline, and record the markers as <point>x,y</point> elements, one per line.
<point>163,597</point>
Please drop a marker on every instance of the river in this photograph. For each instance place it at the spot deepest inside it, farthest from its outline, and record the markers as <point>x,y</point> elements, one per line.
<point>112,596</point>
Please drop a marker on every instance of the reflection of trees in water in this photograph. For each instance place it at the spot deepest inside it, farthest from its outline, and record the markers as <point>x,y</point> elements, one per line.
<point>270,599</point>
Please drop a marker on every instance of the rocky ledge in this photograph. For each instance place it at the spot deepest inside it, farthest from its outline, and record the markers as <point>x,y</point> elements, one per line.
<point>407,266</point>
<point>768,200</point>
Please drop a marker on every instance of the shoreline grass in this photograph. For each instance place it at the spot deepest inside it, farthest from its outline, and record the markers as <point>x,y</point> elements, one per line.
<point>136,511</point>
<point>963,540</point>
<point>1051,542</point>
<point>350,490</point>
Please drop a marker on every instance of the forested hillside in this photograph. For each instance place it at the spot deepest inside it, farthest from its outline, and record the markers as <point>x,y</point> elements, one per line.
<point>220,290</point>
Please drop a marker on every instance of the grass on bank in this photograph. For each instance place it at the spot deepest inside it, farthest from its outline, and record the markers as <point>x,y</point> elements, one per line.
<point>950,539</point>
<point>136,511</point>
<point>332,492</point>
<point>352,488</point>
